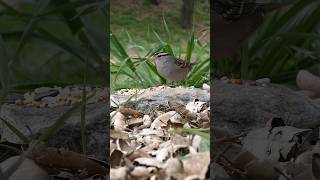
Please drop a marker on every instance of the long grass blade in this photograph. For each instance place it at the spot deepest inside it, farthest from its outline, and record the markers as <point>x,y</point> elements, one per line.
<point>190,48</point>
<point>203,133</point>
<point>29,29</point>
<point>59,122</point>
<point>16,131</point>
<point>122,51</point>
<point>167,29</point>
<point>4,60</point>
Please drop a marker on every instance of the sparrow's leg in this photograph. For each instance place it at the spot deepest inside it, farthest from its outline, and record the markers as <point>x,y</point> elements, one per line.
<point>168,83</point>
<point>184,83</point>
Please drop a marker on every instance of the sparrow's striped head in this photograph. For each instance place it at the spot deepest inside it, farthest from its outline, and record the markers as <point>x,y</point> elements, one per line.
<point>160,54</point>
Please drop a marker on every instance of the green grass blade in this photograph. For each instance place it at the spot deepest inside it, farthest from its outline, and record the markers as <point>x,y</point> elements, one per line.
<point>158,37</point>
<point>83,121</point>
<point>83,111</point>
<point>204,145</point>
<point>10,9</point>
<point>167,29</point>
<point>199,69</point>
<point>203,133</point>
<point>59,122</point>
<point>122,71</point>
<point>122,52</point>
<point>68,5</point>
<point>168,49</point>
<point>28,30</point>
<point>94,53</point>
<point>86,10</point>
<point>18,133</point>
<point>49,37</point>
<point>154,50</point>
<point>4,60</point>
<point>190,48</point>
<point>244,63</point>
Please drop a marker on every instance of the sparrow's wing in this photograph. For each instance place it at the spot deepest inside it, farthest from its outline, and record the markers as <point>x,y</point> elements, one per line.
<point>182,63</point>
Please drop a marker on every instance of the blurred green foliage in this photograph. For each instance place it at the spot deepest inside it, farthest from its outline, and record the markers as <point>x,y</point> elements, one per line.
<point>49,42</point>
<point>139,30</point>
<point>141,18</point>
<point>286,42</point>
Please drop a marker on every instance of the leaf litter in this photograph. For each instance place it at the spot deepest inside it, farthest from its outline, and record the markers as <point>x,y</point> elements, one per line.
<point>273,152</point>
<point>170,143</point>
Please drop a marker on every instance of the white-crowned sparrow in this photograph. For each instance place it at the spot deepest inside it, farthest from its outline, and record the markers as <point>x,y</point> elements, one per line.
<point>171,68</point>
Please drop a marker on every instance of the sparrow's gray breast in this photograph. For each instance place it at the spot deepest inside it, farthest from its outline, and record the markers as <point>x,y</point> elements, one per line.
<point>168,69</point>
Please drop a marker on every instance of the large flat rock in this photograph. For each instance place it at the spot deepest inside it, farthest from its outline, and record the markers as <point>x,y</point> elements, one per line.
<point>32,121</point>
<point>241,107</point>
<point>150,100</point>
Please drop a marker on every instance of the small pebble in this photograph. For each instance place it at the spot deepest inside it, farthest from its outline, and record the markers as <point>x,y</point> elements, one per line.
<point>263,80</point>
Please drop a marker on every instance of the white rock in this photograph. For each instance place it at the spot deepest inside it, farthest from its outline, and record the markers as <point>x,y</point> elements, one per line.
<point>28,170</point>
<point>224,78</point>
<point>206,87</point>
<point>263,80</point>
<point>308,81</point>
<point>307,93</point>
<point>42,90</point>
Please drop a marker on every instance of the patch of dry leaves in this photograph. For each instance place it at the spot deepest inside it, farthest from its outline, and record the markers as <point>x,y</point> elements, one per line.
<point>274,152</point>
<point>150,147</point>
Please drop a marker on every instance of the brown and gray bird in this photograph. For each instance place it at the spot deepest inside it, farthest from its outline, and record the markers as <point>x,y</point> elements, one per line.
<point>172,68</point>
<point>234,21</point>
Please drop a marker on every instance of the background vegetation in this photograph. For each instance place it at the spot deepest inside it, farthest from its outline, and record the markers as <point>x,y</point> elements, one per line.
<point>140,28</point>
<point>52,42</point>
<point>287,42</point>
<point>48,43</point>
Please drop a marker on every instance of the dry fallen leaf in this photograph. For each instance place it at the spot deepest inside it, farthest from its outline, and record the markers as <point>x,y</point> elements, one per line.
<point>118,135</point>
<point>173,166</point>
<point>130,112</point>
<point>65,159</point>
<point>272,144</point>
<point>181,109</point>
<point>163,119</point>
<point>197,164</point>
<point>196,106</point>
<point>118,120</point>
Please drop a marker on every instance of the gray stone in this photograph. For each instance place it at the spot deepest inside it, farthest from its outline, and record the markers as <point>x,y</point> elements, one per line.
<point>151,100</point>
<point>263,80</point>
<point>241,107</point>
<point>33,121</point>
